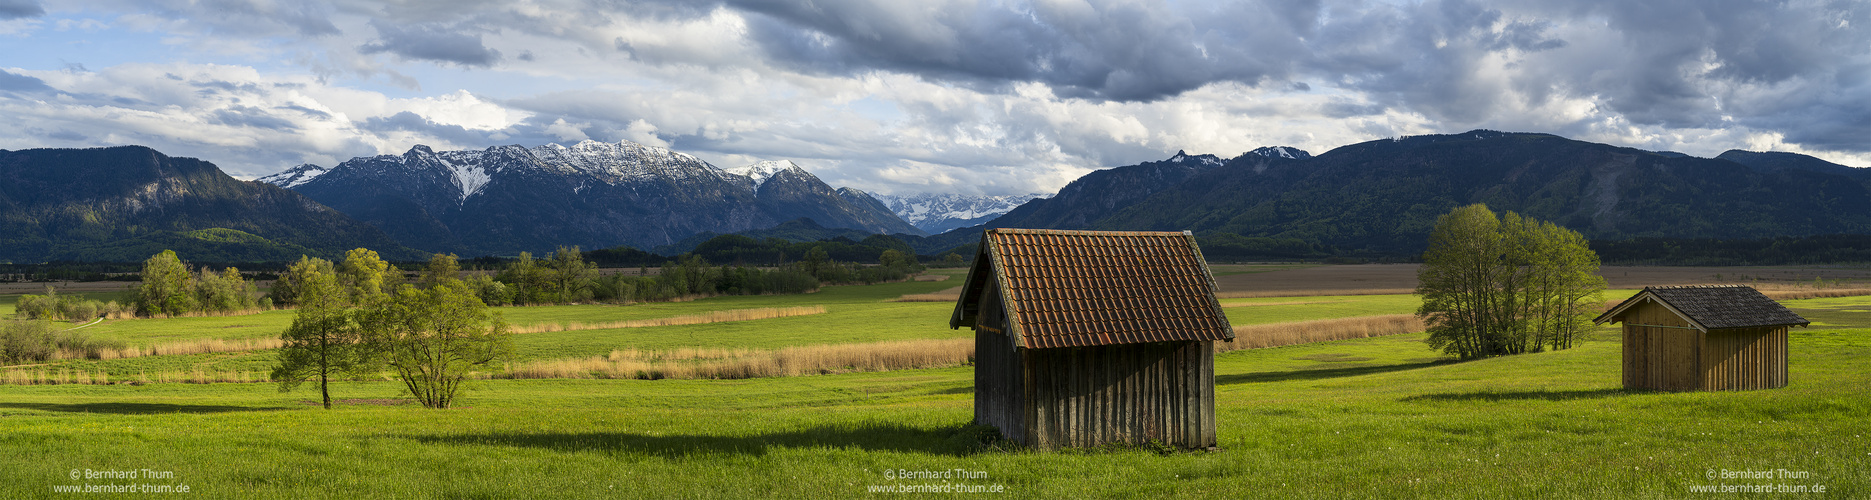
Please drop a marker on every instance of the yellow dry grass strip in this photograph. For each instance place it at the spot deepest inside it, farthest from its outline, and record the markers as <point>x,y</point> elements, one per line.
<point>719,363</point>
<point>932,277</point>
<point>946,295</point>
<point>65,376</point>
<point>1313,293</point>
<point>693,319</point>
<point>1252,304</point>
<point>1306,332</point>
<point>198,346</point>
<point>1815,294</point>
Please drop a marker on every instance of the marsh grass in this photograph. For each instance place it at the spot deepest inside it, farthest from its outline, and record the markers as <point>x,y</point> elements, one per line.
<point>69,376</point>
<point>946,295</point>
<point>692,319</point>
<point>1306,332</point>
<point>740,363</point>
<point>1313,293</point>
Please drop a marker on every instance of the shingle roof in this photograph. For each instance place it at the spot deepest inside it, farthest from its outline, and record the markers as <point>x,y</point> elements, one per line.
<point>1080,288</point>
<point>1713,307</point>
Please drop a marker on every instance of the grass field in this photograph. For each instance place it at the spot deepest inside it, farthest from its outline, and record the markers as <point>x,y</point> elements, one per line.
<point>1377,417</point>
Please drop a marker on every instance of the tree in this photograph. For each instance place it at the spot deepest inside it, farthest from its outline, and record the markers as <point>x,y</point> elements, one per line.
<point>285,290</point>
<point>167,288</point>
<point>363,276</point>
<point>433,337</point>
<point>1504,285</point>
<point>442,267</point>
<point>571,276</point>
<point>323,340</point>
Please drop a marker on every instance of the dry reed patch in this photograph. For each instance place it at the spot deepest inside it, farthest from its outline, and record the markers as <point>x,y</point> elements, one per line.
<point>946,295</point>
<point>200,346</point>
<point>65,376</point>
<point>1314,293</point>
<point>740,363</point>
<point>693,319</point>
<point>1253,304</point>
<point>1306,332</point>
<point>1825,293</point>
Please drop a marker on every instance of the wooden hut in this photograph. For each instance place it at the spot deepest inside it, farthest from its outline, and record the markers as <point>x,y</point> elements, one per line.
<point>1708,337</point>
<point>1090,337</point>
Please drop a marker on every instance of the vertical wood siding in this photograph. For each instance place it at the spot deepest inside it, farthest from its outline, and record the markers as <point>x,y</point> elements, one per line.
<point>1680,359</point>
<point>1127,393</point>
<point>1746,359</point>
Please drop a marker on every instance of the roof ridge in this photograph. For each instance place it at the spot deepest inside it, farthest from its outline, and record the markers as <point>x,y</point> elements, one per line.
<point>1667,287</point>
<point>1085,232</point>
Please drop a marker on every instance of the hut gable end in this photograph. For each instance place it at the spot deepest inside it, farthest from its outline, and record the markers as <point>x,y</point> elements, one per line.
<point>1089,288</point>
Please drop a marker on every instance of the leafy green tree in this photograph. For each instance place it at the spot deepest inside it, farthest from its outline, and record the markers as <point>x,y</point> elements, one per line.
<point>441,268</point>
<point>324,339</point>
<point>223,292</point>
<point>364,276</point>
<point>572,278</point>
<point>167,288</point>
<point>435,337</point>
<point>526,280</point>
<point>285,290</point>
<point>1505,285</point>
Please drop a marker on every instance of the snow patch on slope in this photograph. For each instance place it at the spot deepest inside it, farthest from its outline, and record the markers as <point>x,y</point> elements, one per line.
<point>295,176</point>
<point>936,213</point>
<point>762,171</point>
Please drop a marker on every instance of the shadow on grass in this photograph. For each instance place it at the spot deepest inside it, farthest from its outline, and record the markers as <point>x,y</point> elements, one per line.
<point>132,408</point>
<point>954,440</point>
<point>1520,395</point>
<point>1322,373</point>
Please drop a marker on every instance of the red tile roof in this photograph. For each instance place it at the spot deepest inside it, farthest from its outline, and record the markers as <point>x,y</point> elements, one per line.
<point>1081,288</point>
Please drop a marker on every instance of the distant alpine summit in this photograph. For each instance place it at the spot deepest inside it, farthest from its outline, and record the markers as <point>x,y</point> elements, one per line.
<point>507,199</point>
<point>936,213</point>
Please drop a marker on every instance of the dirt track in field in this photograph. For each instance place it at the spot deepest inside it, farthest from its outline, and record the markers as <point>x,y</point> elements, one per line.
<point>1399,278</point>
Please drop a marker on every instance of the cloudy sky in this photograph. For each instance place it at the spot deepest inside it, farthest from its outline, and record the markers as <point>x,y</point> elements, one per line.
<point>903,97</point>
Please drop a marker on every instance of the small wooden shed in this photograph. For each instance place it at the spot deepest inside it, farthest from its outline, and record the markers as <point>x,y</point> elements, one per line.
<point>1704,337</point>
<point>1090,337</point>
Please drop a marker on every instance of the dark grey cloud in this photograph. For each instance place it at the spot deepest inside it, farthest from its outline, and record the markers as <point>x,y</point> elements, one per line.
<point>412,122</point>
<point>321,115</point>
<point>250,18</point>
<point>431,42</point>
<point>21,83</point>
<point>1122,52</point>
<point>248,116</point>
<point>15,9</point>
<point>67,135</point>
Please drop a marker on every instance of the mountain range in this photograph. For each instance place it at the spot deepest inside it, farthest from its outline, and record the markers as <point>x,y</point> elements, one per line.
<point>1376,198</point>
<point>507,199</point>
<point>1382,197</point>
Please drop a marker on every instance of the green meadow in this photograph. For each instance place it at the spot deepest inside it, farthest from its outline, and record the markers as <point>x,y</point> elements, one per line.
<point>1380,417</point>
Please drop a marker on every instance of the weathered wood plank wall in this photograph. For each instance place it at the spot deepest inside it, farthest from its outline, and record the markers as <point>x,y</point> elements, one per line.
<point>1662,352</point>
<point>1132,393</point>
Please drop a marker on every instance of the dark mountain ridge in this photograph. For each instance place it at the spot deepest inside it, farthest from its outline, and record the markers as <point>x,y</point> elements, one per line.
<point>1382,197</point>
<point>125,203</point>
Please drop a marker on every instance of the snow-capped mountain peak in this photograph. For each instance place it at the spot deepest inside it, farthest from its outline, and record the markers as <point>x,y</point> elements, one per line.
<point>1182,157</point>
<point>1282,152</point>
<point>936,213</point>
<point>295,176</point>
<point>762,171</point>
<point>623,160</point>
